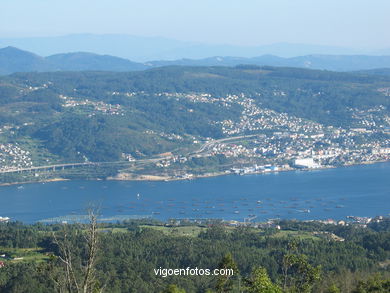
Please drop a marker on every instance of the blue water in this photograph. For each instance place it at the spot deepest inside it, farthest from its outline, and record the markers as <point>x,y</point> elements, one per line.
<point>332,193</point>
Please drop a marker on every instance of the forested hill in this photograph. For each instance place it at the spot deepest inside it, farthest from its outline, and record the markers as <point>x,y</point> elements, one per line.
<point>74,112</point>
<point>324,62</point>
<point>15,60</point>
<point>378,71</point>
<point>293,90</point>
<point>214,79</point>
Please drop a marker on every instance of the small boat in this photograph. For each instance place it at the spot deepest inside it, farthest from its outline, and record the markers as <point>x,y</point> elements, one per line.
<point>236,212</point>
<point>20,187</point>
<point>4,219</point>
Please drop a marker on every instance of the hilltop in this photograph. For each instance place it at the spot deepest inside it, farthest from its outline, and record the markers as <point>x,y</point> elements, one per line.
<point>15,60</point>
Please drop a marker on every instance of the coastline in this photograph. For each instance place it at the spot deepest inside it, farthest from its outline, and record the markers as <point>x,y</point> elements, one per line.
<point>160,178</point>
<point>299,195</point>
<point>152,178</point>
<point>38,181</point>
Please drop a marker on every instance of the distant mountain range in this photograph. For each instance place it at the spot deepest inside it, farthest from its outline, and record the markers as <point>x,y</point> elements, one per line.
<point>15,60</point>
<point>323,62</point>
<point>142,49</point>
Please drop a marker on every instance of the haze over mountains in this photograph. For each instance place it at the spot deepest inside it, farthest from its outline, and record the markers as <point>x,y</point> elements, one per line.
<point>142,49</point>
<point>16,60</point>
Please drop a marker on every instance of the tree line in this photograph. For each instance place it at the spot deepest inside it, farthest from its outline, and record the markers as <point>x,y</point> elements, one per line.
<point>124,256</point>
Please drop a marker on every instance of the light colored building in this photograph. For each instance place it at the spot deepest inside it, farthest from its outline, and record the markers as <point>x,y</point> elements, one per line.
<point>306,163</point>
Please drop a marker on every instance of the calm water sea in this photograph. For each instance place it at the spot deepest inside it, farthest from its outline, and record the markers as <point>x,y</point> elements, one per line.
<point>322,194</point>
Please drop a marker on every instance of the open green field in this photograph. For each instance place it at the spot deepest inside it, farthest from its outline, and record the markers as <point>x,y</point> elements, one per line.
<point>113,230</point>
<point>192,231</point>
<point>24,254</point>
<point>295,234</point>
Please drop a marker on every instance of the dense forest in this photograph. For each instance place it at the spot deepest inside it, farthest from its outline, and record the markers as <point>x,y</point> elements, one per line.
<point>126,255</point>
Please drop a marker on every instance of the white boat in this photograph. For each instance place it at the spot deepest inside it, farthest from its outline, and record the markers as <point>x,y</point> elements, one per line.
<point>4,219</point>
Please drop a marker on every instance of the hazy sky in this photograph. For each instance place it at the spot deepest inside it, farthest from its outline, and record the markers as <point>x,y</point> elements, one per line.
<point>348,23</point>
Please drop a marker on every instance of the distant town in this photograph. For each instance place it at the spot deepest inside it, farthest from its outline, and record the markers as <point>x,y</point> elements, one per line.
<point>261,140</point>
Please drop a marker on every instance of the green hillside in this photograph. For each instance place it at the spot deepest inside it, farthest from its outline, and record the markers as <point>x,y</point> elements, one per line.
<point>107,116</point>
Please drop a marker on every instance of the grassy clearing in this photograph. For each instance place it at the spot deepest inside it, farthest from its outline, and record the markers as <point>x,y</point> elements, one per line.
<point>24,254</point>
<point>191,231</point>
<point>295,234</point>
<point>113,230</point>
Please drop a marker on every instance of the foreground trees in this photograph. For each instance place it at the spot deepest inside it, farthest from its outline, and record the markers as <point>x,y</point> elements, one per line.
<point>75,271</point>
<point>374,284</point>
<point>118,258</point>
<point>259,282</point>
<point>298,274</point>
<point>225,283</point>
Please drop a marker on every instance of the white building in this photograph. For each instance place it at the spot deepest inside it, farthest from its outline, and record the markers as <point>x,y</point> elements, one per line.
<point>306,163</point>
